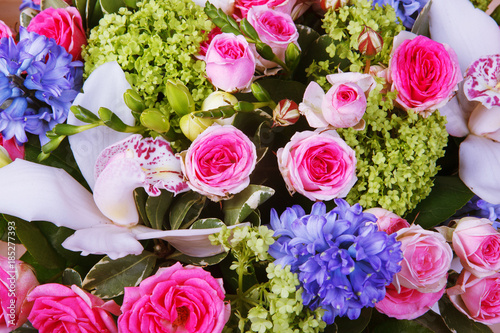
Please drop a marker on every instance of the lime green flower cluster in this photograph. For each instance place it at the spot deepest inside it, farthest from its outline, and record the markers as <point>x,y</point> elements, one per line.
<point>272,306</point>
<point>154,43</point>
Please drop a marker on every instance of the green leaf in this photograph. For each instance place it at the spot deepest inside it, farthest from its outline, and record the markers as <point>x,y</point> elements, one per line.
<point>26,17</point>
<point>206,261</point>
<point>307,36</point>
<point>448,195</point>
<point>94,14</point>
<point>457,321</point>
<point>242,204</point>
<point>316,51</point>
<point>207,223</point>
<point>433,321</point>
<point>44,4</point>
<point>157,207</point>
<point>43,274</point>
<point>421,25</point>
<point>344,324</point>
<point>71,277</point>
<point>280,89</point>
<point>131,3</point>
<point>108,277</point>
<point>141,197</point>
<point>186,210</point>
<point>111,6</point>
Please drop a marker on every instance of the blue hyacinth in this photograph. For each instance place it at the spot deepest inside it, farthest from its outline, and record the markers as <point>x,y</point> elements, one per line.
<point>406,10</point>
<point>342,260</point>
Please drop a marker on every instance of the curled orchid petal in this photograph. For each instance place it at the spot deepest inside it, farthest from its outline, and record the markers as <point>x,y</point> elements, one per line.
<point>486,122</point>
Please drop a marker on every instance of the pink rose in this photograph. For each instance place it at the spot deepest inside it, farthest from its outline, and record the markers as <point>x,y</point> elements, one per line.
<point>408,303</point>
<point>5,30</point>
<point>477,244</point>
<point>477,298</point>
<point>219,162</point>
<point>13,149</point>
<point>318,165</point>
<point>175,299</point>
<point>64,25</point>
<point>243,6</point>
<point>15,284</point>
<point>59,308</point>
<point>426,260</point>
<point>230,64</point>
<point>388,221</point>
<point>425,73</point>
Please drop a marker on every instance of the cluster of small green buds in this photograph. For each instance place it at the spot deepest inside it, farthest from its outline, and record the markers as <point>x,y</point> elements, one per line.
<point>333,4</point>
<point>286,113</point>
<point>370,42</point>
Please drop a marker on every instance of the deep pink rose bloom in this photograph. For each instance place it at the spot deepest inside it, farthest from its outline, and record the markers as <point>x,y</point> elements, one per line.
<point>388,221</point>
<point>425,73</point>
<point>408,304</point>
<point>478,298</point>
<point>64,25</point>
<point>426,259</point>
<point>13,149</point>
<point>243,6</point>
<point>15,284</point>
<point>477,244</point>
<point>59,308</point>
<point>230,64</point>
<point>175,299</point>
<point>5,30</point>
<point>319,165</point>
<point>219,162</point>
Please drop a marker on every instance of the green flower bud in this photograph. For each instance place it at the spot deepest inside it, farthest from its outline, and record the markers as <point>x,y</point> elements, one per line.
<point>4,157</point>
<point>193,126</point>
<point>179,97</point>
<point>292,56</point>
<point>51,145</point>
<point>260,93</point>
<point>155,120</point>
<point>83,114</point>
<point>217,99</point>
<point>265,51</point>
<point>134,101</point>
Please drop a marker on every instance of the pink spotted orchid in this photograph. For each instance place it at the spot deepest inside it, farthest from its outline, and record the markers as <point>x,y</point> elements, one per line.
<point>474,113</point>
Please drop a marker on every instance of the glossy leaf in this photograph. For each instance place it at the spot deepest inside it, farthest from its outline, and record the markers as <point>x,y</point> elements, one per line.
<point>111,6</point>
<point>44,4</point>
<point>71,277</point>
<point>141,197</point>
<point>43,274</point>
<point>26,16</point>
<point>457,321</point>
<point>186,210</point>
<point>433,321</point>
<point>243,203</point>
<point>207,223</point>
<point>344,324</point>
<point>207,261</point>
<point>397,326</point>
<point>157,207</point>
<point>280,89</point>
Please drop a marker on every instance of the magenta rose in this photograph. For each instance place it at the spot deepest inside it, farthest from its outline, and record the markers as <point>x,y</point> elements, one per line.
<point>243,6</point>
<point>477,298</point>
<point>408,303</point>
<point>319,165</point>
<point>388,221</point>
<point>5,30</point>
<point>426,260</point>
<point>219,162</point>
<point>230,64</point>
<point>64,25</point>
<point>477,244</point>
<point>59,308</point>
<point>175,299</point>
<point>425,73</point>
<point>16,281</point>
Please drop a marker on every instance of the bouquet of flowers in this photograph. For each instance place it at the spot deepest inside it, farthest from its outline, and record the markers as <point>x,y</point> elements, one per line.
<point>250,166</point>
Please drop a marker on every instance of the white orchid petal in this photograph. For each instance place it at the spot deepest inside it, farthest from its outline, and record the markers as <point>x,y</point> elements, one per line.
<point>192,242</point>
<point>486,122</point>
<point>469,31</point>
<point>311,105</point>
<point>36,192</point>
<point>109,239</point>
<point>103,88</point>
<point>479,159</point>
<point>456,120</point>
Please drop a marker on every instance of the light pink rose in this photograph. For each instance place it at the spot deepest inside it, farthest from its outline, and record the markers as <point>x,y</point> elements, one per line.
<point>13,149</point>
<point>243,6</point>
<point>425,73</point>
<point>426,260</point>
<point>219,162</point>
<point>319,165</point>
<point>15,284</point>
<point>230,64</point>
<point>477,244</point>
<point>388,221</point>
<point>5,30</point>
<point>175,299</point>
<point>64,25</point>
<point>59,308</point>
<point>407,304</point>
<point>477,298</point>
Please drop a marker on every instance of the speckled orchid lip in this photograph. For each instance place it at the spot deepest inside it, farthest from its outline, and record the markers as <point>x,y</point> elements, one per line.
<point>482,81</point>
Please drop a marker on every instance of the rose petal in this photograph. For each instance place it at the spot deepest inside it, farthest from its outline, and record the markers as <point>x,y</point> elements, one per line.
<point>311,105</point>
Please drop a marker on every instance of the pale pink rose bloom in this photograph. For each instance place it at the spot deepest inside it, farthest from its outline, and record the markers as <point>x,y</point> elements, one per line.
<point>388,221</point>
<point>477,244</point>
<point>5,30</point>
<point>477,297</point>
<point>219,162</point>
<point>64,25</point>
<point>175,299</point>
<point>426,260</point>
<point>425,73</point>
<point>408,303</point>
<point>59,308</point>
<point>230,64</point>
<point>319,165</point>
<point>15,284</point>
<point>243,6</point>
<point>13,149</point>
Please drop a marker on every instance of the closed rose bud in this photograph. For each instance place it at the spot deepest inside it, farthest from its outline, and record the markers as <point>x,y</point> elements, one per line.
<point>286,113</point>
<point>334,4</point>
<point>192,126</point>
<point>370,42</point>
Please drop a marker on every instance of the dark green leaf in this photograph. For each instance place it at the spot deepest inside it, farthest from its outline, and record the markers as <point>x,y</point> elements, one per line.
<point>26,328</point>
<point>141,197</point>
<point>213,260</point>
<point>44,4</point>
<point>344,324</point>
<point>307,35</point>
<point>243,203</point>
<point>433,321</point>
<point>108,277</point>
<point>156,209</point>
<point>71,277</point>
<point>111,6</point>
<point>26,17</point>
<point>248,29</point>
<point>316,51</point>
<point>207,223</point>
<point>457,321</point>
<point>43,274</point>
<point>280,89</point>
<point>421,25</point>
<point>131,3</point>
<point>399,326</point>
<point>186,210</point>
<point>94,14</point>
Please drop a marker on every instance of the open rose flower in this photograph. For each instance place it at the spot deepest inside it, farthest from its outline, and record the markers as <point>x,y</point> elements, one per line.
<point>318,165</point>
<point>425,73</point>
<point>230,64</point>
<point>5,30</point>
<point>243,6</point>
<point>64,25</point>
<point>175,299</point>
<point>427,258</point>
<point>58,308</point>
<point>388,221</point>
<point>219,162</point>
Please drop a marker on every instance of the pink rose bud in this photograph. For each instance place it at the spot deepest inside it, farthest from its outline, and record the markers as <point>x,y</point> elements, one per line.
<point>370,42</point>
<point>333,4</point>
<point>286,113</point>
<point>175,299</point>
<point>64,25</point>
<point>5,30</point>
<point>16,282</point>
<point>230,64</point>
<point>388,221</point>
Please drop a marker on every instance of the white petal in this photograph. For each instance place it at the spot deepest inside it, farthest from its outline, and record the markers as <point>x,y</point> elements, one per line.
<point>36,192</point>
<point>486,122</point>
<point>103,88</point>
<point>364,81</point>
<point>479,167</point>
<point>469,31</point>
<point>311,105</point>
<point>456,124</point>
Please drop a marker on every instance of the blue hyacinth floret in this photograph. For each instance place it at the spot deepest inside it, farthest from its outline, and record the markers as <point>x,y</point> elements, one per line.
<point>342,260</point>
<point>38,82</point>
<point>406,10</point>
